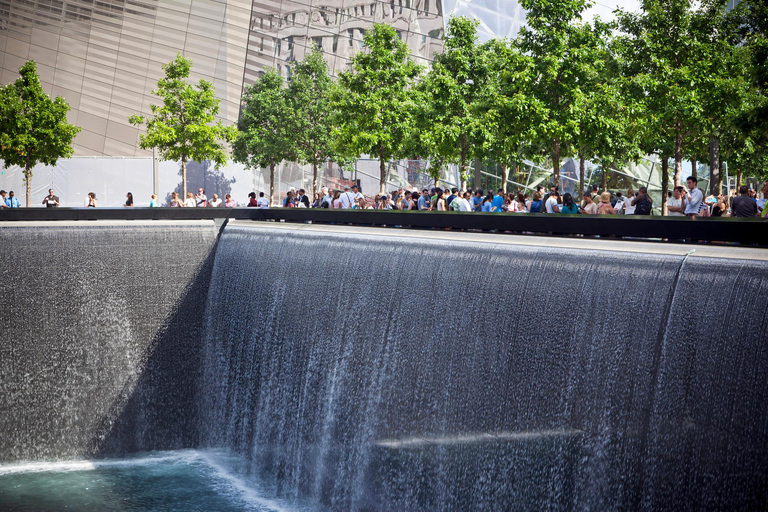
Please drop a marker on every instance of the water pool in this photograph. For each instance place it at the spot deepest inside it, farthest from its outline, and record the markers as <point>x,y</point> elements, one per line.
<point>185,480</point>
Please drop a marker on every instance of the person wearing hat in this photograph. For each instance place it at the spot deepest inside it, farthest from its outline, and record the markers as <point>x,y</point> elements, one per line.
<point>200,199</point>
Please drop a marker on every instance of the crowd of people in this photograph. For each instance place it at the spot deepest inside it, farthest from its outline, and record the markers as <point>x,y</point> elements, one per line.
<point>686,200</point>
<point>682,201</point>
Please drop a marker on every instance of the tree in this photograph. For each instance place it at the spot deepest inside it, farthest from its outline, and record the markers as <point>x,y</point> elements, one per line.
<point>448,123</point>
<point>309,109</point>
<point>722,83</point>
<point>375,103</point>
<point>265,137</point>
<point>659,54</point>
<point>33,127</point>
<point>553,38</point>
<point>508,115</point>
<point>181,128</point>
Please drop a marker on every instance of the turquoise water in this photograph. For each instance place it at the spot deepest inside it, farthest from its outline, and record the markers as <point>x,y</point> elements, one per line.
<point>186,480</point>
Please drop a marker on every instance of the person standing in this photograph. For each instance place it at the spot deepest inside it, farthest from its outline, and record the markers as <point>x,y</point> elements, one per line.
<point>464,204</point>
<point>288,202</point>
<point>605,208</point>
<point>535,206</point>
<point>215,202</point>
<point>3,199</point>
<point>642,202</point>
<point>175,200</point>
<point>262,202</point>
<point>153,202</point>
<point>12,201</point>
<point>91,201</point>
<point>201,201</point>
<point>568,205</point>
<point>550,204</point>
<point>252,203</point>
<point>189,202</point>
<point>743,205</point>
<point>327,199</point>
<point>589,205</point>
<point>128,200</point>
<point>498,201</point>
<point>675,203</point>
<point>693,197</point>
<point>51,200</point>
<point>348,199</point>
<point>229,202</point>
<point>302,200</point>
<point>629,208</point>
<point>424,203</point>
<point>477,200</point>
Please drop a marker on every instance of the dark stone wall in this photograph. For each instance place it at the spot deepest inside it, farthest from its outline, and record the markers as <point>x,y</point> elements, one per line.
<point>100,333</point>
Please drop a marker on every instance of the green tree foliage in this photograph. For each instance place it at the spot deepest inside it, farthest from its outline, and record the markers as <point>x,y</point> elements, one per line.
<point>659,55</point>
<point>509,116</point>
<point>184,127</point>
<point>33,127</point>
<point>265,137</point>
<point>309,109</point>
<point>555,39</point>
<point>447,120</point>
<point>375,103</point>
<point>721,83</point>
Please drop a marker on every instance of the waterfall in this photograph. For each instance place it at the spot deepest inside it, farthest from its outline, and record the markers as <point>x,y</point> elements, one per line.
<point>375,372</point>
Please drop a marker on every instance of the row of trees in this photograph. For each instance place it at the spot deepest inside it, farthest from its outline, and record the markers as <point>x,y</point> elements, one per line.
<point>678,81</point>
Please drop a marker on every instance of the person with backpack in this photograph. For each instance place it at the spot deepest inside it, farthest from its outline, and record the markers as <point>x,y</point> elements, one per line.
<point>642,202</point>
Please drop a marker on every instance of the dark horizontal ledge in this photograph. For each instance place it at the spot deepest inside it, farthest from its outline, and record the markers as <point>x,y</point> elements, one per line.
<point>739,230</point>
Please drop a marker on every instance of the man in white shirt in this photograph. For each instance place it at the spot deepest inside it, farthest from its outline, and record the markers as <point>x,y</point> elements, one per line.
<point>675,203</point>
<point>262,202</point>
<point>693,197</point>
<point>465,205</point>
<point>200,199</point>
<point>347,199</point>
<point>358,194</point>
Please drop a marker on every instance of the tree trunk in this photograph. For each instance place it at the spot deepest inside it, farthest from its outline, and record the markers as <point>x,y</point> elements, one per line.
<point>738,180</point>
<point>504,175</point>
<point>664,183</point>
<point>604,183</point>
<point>714,165</point>
<point>581,177</point>
<point>28,178</point>
<point>383,172</point>
<point>678,156</point>
<point>184,178</point>
<point>271,183</point>
<point>694,166</point>
<point>556,162</point>
<point>478,177</point>
<point>314,179</point>
<point>463,174</point>
<point>383,176</point>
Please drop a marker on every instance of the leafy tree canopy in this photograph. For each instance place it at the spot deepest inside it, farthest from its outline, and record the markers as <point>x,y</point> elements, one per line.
<point>184,127</point>
<point>33,127</point>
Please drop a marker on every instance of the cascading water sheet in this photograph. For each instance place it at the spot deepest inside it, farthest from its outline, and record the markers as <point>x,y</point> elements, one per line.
<point>369,372</point>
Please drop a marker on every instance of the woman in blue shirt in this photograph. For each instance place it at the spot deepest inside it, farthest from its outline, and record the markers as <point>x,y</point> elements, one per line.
<point>487,203</point>
<point>536,203</point>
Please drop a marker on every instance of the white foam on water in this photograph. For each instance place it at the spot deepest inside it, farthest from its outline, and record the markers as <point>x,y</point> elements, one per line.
<point>245,491</point>
<point>181,456</point>
<point>526,435</point>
